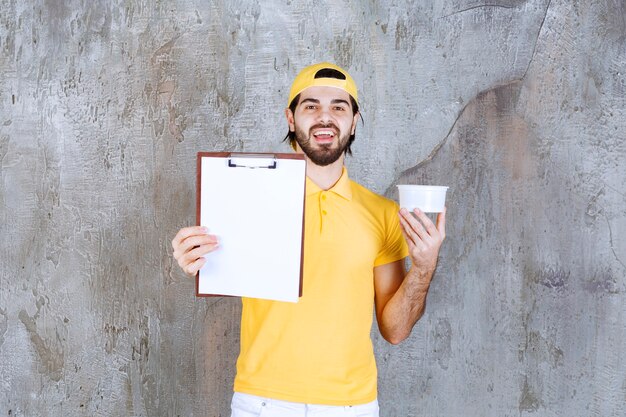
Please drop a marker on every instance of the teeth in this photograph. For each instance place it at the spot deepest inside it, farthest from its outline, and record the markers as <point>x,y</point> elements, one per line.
<point>323,132</point>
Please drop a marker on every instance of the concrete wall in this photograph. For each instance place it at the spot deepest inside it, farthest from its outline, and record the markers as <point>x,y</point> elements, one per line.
<point>519,106</point>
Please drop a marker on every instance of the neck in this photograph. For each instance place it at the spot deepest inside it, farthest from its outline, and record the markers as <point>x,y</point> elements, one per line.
<point>325,177</point>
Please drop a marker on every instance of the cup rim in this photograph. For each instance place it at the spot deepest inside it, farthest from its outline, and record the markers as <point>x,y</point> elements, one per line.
<point>423,187</point>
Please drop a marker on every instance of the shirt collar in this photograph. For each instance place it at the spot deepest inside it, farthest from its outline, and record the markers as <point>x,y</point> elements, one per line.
<point>342,186</point>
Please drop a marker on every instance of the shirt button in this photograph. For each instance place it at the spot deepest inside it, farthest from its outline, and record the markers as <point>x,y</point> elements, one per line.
<point>324,212</point>
<point>323,196</point>
<point>263,404</point>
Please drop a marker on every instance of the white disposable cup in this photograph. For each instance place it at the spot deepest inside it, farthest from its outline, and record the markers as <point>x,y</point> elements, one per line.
<point>428,198</point>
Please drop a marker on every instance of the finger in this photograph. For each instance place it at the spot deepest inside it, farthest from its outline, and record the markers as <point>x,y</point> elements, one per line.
<point>185,232</point>
<point>404,228</point>
<point>427,224</point>
<point>406,215</point>
<point>415,225</point>
<point>415,240</point>
<point>198,252</point>
<point>441,223</point>
<point>193,268</point>
<point>193,241</point>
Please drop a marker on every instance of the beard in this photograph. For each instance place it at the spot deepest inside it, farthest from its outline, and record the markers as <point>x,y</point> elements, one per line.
<point>322,154</point>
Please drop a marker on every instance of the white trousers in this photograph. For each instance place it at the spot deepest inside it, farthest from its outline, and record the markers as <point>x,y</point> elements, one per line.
<point>246,405</point>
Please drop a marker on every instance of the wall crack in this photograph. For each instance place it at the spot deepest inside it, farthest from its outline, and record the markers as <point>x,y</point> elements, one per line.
<point>532,56</point>
<point>611,242</point>
<point>479,6</point>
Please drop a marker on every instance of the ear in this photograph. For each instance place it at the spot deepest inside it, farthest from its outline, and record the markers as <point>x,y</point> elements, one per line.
<point>355,119</point>
<point>290,120</point>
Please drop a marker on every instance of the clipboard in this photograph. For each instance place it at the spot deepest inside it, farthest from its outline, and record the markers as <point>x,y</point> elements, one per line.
<point>254,203</point>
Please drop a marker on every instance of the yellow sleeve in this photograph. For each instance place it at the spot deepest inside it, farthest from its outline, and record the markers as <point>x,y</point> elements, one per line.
<point>394,246</point>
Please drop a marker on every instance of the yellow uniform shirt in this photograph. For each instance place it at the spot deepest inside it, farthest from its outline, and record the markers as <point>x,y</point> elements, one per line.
<point>319,351</point>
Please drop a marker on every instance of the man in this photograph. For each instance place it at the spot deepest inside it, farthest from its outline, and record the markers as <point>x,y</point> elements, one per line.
<point>315,357</point>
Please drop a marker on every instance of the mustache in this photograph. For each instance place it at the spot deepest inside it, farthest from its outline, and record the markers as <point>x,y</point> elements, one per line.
<point>329,125</point>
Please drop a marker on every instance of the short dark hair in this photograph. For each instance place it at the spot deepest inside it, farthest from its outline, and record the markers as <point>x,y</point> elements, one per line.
<point>291,136</point>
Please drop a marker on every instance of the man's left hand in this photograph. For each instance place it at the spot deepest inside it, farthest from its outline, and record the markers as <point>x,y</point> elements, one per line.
<point>424,240</point>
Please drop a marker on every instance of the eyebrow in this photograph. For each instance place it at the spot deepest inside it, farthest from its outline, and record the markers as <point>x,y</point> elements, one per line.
<point>333,101</point>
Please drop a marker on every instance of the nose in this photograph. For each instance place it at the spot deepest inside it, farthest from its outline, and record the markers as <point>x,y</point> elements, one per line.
<point>324,116</point>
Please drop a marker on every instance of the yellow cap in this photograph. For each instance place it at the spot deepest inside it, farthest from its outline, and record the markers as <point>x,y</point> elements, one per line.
<point>306,78</point>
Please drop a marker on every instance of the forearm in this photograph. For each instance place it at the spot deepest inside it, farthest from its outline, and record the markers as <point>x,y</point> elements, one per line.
<point>405,307</point>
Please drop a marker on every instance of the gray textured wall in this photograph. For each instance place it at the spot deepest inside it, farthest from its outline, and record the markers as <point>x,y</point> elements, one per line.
<point>519,106</point>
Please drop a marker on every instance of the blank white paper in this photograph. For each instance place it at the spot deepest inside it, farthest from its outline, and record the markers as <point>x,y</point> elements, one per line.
<point>257,214</point>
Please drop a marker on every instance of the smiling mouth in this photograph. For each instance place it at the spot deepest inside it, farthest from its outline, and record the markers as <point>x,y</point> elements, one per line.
<point>324,135</point>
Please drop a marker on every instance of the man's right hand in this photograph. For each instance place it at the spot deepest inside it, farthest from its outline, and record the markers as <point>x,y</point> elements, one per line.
<point>190,245</point>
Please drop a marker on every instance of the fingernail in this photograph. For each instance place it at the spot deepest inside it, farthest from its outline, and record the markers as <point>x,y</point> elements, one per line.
<point>205,229</point>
